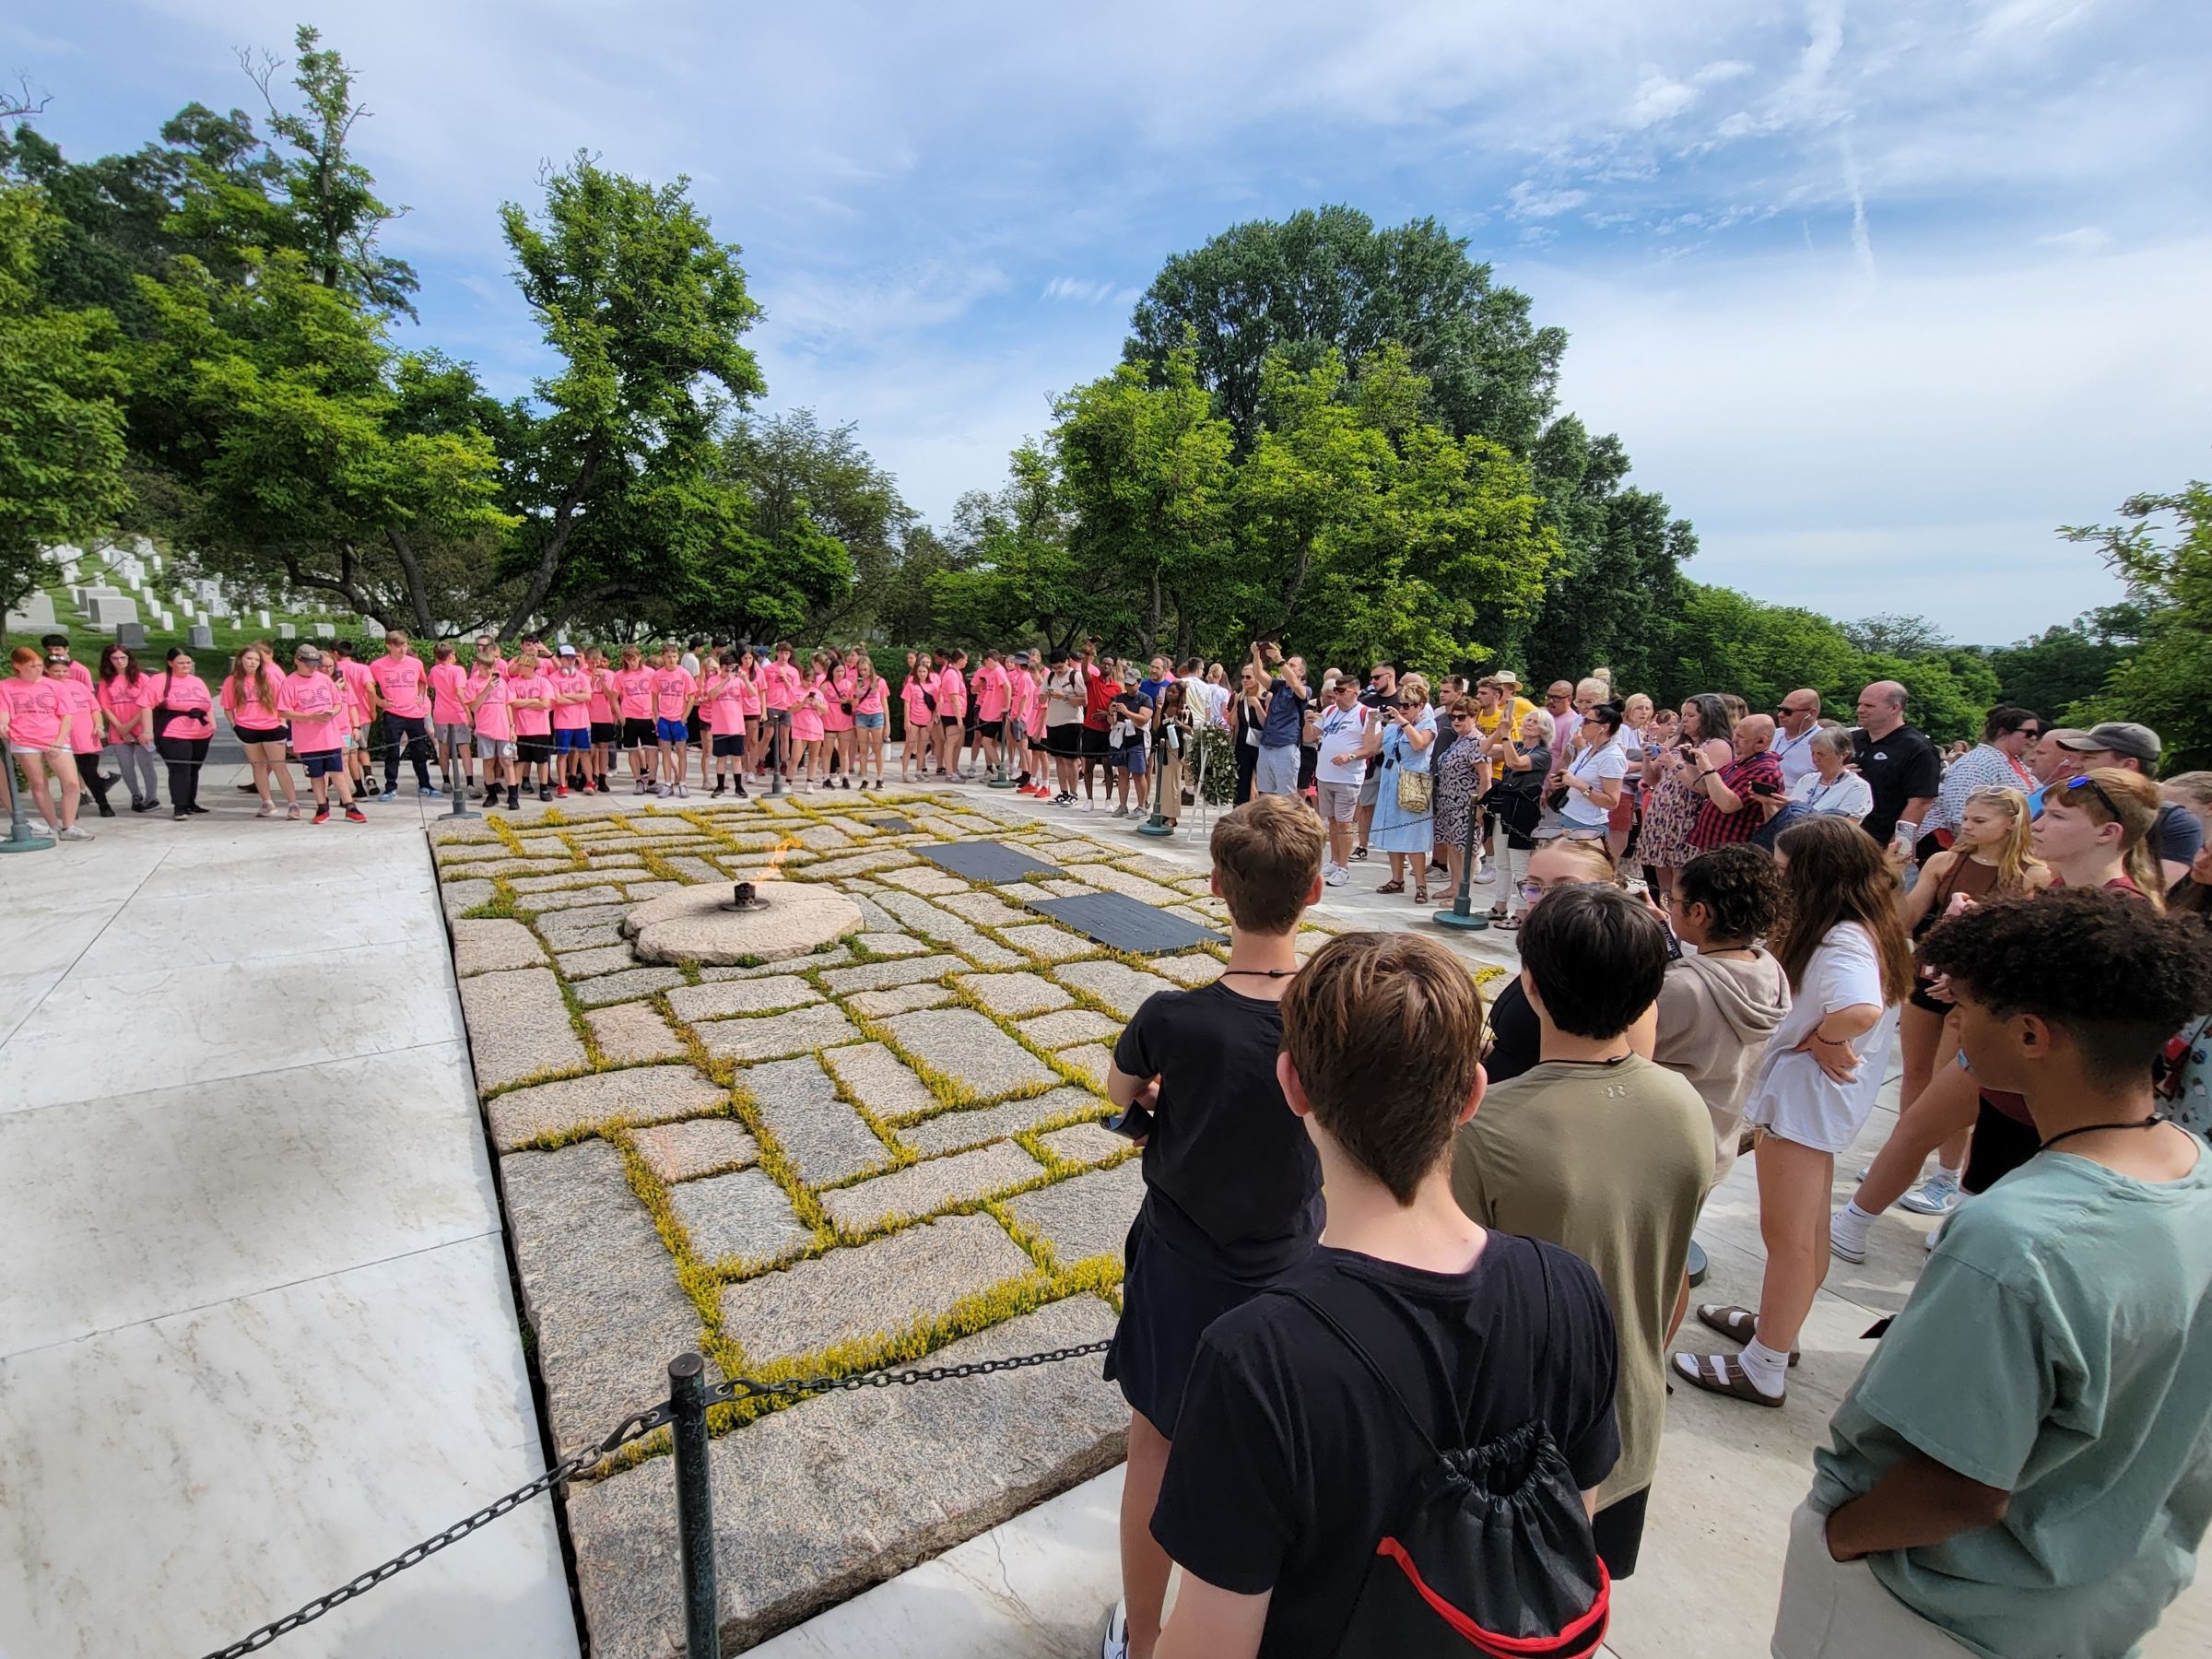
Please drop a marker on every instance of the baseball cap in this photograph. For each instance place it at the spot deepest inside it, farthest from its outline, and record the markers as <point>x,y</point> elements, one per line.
<point>567,651</point>
<point>2117,737</point>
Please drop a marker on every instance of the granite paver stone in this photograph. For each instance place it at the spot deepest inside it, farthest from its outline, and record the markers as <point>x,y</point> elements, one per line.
<point>482,946</point>
<point>741,1217</point>
<point>1013,994</point>
<point>1069,1027</point>
<point>822,1135</point>
<point>1116,985</point>
<point>518,1026</point>
<point>630,1032</point>
<point>639,1094</point>
<point>695,1146</point>
<point>774,1036</point>
<point>966,1047</point>
<point>1084,1215</point>
<point>933,1184</point>
<point>948,1131</point>
<point>763,995</point>
<point>879,1080</point>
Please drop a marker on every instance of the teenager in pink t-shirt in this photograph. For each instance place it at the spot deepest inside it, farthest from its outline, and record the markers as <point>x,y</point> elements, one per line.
<point>871,696</point>
<point>317,707</point>
<point>780,686</point>
<point>747,673</point>
<point>449,719</point>
<point>354,679</point>
<point>674,692</point>
<point>85,730</point>
<point>490,706</point>
<point>249,698</point>
<point>807,722</point>
<point>530,694</point>
<point>952,710</point>
<point>920,720</point>
<point>183,716</point>
<point>605,725</point>
<point>634,705</point>
<point>722,717</point>
<point>399,689</point>
<point>38,738</point>
<point>121,692</point>
<point>992,696</point>
<point>571,719</point>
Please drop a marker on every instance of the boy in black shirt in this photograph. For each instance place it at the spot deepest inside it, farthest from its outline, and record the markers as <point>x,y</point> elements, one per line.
<point>1232,1189</point>
<point>1290,1461</point>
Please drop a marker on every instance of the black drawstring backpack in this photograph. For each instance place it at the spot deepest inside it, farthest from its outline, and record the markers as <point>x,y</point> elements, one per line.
<point>1490,1553</point>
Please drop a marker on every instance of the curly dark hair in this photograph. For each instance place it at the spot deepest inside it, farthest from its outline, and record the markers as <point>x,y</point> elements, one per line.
<point>1740,888</point>
<point>2105,966</point>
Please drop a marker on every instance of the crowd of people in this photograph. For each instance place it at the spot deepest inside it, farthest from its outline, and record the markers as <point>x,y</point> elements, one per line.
<point>1408,1284</point>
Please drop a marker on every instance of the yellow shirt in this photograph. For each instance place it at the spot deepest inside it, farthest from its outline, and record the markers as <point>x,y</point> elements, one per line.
<point>1486,721</point>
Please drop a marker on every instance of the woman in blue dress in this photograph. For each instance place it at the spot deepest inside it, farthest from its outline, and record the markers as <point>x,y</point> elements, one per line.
<point>1402,744</point>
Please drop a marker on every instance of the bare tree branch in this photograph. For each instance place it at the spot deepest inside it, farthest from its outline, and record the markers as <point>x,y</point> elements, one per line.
<point>20,103</point>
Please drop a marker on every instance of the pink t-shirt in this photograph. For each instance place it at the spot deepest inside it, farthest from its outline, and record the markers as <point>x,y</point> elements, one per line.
<point>253,707</point>
<point>806,710</point>
<point>870,701</point>
<point>34,711</point>
<point>836,689</point>
<point>601,711</point>
<point>122,699</point>
<point>719,705</point>
<point>495,709</point>
<point>314,705</point>
<point>358,679</point>
<point>188,697</point>
<point>952,694</point>
<point>780,685</point>
<point>530,722</point>
<point>915,695</point>
<point>671,691</point>
<point>84,723</point>
<point>399,681</point>
<point>634,688</point>
<point>992,692</point>
<point>446,681</point>
<point>572,716</point>
<point>749,694</point>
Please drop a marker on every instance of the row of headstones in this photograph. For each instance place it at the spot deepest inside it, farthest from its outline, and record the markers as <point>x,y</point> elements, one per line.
<point>111,610</point>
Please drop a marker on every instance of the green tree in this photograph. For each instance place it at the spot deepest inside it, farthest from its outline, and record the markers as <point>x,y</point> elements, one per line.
<point>802,477</point>
<point>2163,551</point>
<point>1892,634</point>
<point>61,427</point>
<point>646,309</point>
<point>2068,664</point>
<point>1006,569</point>
<point>308,449</point>
<point>1329,281</point>
<point>1719,640</point>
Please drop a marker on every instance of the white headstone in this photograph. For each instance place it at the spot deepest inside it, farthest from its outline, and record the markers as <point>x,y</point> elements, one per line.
<point>263,615</point>
<point>37,613</point>
<point>155,559</point>
<point>284,630</point>
<point>69,569</point>
<point>324,631</point>
<point>169,620</point>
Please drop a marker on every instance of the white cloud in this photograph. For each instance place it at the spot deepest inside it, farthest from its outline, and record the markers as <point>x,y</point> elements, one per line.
<point>2085,239</point>
<point>1077,289</point>
<point>1531,200</point>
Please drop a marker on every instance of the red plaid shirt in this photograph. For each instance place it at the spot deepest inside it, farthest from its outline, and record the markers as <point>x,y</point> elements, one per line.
<point>1718,828</point>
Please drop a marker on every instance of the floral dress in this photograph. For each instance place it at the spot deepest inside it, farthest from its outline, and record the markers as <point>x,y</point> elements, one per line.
<point>1455,781</point>
<point>1669,810</point>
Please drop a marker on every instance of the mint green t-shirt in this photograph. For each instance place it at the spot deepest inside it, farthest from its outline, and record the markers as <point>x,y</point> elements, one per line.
<point>2059,1348</point>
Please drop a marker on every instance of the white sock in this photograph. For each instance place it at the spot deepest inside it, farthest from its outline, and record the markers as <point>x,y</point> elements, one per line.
<point>1767,1369</point>
<point>1850,1224</point>
<point>1943,1177</point>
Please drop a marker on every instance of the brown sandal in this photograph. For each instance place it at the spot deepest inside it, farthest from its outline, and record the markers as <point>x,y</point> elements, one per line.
<point>1738,1325</point>
<point>1420,895</point>
<point>1392,887</point>
<point>1720,1374</point>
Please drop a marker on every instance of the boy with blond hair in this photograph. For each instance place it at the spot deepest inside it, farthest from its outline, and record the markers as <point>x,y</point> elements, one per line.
<point>1232,1191</point>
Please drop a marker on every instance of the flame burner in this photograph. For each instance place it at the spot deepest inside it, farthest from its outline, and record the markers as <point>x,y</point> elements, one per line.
<point>745,899</point>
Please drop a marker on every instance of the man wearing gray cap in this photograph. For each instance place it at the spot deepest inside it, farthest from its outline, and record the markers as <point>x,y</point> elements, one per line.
<point>2178,834</point>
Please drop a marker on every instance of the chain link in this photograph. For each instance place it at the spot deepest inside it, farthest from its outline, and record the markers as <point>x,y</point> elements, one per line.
<point>634,1426</point>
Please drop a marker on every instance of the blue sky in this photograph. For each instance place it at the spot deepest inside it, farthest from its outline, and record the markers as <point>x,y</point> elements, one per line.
<point>1876,294</point>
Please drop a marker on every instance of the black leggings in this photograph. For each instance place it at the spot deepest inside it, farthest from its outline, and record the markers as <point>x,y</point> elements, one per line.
<point>88,772</point>
<point>411,731</point>
<point>186,757</point>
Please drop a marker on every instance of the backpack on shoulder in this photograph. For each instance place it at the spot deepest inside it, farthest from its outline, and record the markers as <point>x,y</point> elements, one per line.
<point>1490,1553</point>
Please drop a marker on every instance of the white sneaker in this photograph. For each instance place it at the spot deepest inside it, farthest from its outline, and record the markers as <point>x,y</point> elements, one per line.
<point>76,832</point>
<point>1120,812</point>
<point>684,790</point>
<point>1113,1639</point>
<point>1485,877</point>
<point>1338,876</point>
<point>1937,1196</point>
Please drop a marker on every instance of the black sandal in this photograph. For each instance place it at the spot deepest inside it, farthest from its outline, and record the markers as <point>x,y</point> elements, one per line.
<point>1358,854</point>
<point>1392,887</point>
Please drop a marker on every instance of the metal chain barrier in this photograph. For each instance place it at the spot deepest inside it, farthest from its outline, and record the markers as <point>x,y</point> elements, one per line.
<point>634,1426</point>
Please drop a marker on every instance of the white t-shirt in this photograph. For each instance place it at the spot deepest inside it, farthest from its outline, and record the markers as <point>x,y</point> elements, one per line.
<point>1796,755</point>
<point>1594,766</point>
<point>1792,1095</point>
<point>1343,730</point>
<point>1208,703</point>
<point>1849,796</point>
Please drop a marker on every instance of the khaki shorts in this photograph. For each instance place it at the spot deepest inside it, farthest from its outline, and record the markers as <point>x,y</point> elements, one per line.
<point>1338,801</point>
<point>1833,1609</point>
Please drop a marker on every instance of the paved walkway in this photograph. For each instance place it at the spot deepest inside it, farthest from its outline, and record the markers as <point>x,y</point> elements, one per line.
<point>255,1326</point>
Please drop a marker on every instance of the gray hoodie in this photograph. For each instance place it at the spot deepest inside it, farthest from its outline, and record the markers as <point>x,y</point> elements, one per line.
<point>1716,1015</point>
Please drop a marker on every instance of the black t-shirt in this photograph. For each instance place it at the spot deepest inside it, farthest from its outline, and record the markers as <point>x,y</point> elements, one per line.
<point>1289,1462</point>
<point>1515,1032</point>
<point>1230,1179</point>
<point>1901,766</point>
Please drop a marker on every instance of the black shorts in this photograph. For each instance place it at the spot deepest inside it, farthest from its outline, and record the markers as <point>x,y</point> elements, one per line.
<point>605,733</point>
<point>993,729</point>
<point>534,747</point>
<point>1094,740</point>
<point>1168,1299</point>
<point>729,744</point>
<point>950,720</point>
<point>1064,740</point>
<point>640,734</point>
<point>1618,1530</point>
<point>275,734</point>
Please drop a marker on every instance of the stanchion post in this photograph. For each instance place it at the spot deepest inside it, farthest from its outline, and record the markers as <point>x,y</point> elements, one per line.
<point>20,837</point>
<point>1006,746</point>
<point>694,1506</point>
<point>1158,823</point>
<point>1461,914</point>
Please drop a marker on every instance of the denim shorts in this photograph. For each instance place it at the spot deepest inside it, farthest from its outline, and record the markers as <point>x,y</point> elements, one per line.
<point>869,723</point>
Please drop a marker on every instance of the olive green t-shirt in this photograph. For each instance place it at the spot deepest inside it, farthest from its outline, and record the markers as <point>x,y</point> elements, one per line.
<point>1610,1161</point>
<point>2058,1347</point>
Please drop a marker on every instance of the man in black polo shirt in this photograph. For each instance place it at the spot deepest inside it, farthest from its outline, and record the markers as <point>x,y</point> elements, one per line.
<point>1898,763</point>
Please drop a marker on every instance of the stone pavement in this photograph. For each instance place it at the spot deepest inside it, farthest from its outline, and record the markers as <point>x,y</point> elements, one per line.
<point>256,1333</point>
<point>822,1164</point>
